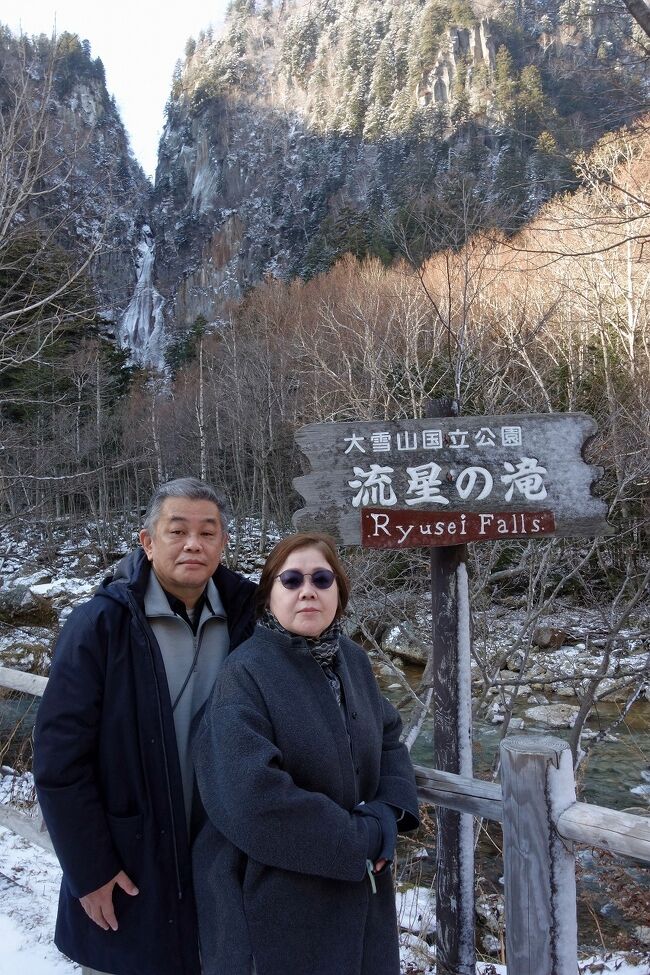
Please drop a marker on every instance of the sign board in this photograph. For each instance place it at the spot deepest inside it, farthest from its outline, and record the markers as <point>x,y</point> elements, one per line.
<point>522,464</point>
<point>388,528</point>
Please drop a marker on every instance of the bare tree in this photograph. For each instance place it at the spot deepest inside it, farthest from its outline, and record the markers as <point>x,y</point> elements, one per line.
<point>40,281</point>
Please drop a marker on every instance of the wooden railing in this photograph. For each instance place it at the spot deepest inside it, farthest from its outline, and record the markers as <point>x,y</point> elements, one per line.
<point>536,804</point>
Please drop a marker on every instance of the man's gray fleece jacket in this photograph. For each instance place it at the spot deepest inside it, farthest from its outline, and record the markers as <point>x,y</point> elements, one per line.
<point>280,866</point>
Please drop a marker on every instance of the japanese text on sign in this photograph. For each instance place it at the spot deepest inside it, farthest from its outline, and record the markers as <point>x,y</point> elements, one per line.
<point>382,442</point>
<point>524,479</point>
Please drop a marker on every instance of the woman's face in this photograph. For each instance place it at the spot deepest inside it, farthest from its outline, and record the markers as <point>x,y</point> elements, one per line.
<point>306,610</point>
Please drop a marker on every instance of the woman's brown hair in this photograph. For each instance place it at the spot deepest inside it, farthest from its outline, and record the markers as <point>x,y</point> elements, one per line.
<point>281,552</point>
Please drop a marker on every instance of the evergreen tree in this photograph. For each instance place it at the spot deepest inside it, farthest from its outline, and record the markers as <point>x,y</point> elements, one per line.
<point>240,8</point>
<point>532,108</point>
<point>403,110</point>
<point>384,76</point>
<point>460,96</point>
<point>434,22</point>
<point>462,13</point>
<point>545,144</point>
<point>505,86</point>
<point>376,122</point>
<point>183,349</point>
<point>319,105</point>
<point>37,277</point>
<point>354,106</point>
<point>299,44</point>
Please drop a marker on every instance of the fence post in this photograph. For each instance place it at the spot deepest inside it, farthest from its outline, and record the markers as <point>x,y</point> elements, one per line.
<point>539,867</point>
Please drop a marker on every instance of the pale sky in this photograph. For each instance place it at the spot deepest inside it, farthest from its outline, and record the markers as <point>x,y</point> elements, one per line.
<point>139,42</point>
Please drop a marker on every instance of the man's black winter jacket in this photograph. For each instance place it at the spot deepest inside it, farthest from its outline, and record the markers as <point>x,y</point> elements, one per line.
<point>108,778</point>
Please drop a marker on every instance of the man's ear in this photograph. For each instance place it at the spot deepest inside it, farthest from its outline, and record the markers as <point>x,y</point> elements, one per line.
<point>146,542</point>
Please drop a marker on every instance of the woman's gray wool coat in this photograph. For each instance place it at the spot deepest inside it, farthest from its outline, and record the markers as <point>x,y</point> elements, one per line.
<point>280,865</point>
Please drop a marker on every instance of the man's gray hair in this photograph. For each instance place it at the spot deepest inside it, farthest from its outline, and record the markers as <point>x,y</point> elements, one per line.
<point>184,487</point>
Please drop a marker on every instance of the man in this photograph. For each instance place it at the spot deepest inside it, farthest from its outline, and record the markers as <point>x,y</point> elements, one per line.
<point>132,669</point>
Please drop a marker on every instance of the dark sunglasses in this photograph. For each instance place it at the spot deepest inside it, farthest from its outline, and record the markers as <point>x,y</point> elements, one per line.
<point>294,578</point>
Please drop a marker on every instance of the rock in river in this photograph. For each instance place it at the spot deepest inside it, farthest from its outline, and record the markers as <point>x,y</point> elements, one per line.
<point>554,715</point>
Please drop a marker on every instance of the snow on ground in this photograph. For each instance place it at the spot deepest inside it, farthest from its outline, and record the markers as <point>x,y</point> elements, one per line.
<point>29,889</point>
<point>416,910</point>
<point>17,790</point>
<point>16,954</point>
<point>29,883</point>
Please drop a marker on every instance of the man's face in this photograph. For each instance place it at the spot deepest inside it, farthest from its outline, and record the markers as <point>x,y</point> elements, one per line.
<point>185,547</point>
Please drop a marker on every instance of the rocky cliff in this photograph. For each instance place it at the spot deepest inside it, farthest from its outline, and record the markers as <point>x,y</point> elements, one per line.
<point>308,130</point>
<point>75,184</point>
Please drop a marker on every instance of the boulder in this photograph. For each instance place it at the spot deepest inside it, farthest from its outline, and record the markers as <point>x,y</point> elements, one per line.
<point>396,643</point>
<point>509,675</point>
<point>515,662</point>
<point>19,604</point>
<point>549,637</point>
<point>554,715</point>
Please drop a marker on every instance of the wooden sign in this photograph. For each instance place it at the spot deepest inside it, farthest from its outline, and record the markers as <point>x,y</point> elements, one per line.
<point>387,528</point>
<point>490,465</point>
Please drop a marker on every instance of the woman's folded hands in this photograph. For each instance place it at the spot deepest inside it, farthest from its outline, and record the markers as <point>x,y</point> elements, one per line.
<point>382,831</point>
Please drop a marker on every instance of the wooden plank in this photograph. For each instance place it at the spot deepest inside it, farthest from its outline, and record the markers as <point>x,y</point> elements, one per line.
<point>26,826</point>
<point>472,805</point>
<point>539,871</point>
<point>18,680</point>
<point>525,462</point>
<point>458,792</point>
<point>607,829</point>
<point>387,528</point>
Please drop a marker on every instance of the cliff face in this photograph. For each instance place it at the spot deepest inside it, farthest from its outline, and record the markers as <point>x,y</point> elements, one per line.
<point>85,193</point>
<point>465,48</point>
<point>308,130</point>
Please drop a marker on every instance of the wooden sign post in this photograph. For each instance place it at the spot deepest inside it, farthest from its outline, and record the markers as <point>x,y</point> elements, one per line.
<point>449,480</point>
<point>440,483</point>
<point>452,737</point>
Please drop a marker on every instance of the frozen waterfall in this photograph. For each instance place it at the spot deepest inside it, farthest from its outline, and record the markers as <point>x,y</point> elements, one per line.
<point>141,328</point>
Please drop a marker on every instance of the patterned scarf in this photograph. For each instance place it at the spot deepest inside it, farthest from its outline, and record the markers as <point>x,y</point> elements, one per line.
<point>324,648</point>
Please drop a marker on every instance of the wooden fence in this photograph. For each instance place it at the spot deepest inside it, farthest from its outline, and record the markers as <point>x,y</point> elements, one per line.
<point>536,804</point>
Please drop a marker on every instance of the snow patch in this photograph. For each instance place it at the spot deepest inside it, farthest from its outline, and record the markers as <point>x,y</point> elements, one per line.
<point>416,910</point>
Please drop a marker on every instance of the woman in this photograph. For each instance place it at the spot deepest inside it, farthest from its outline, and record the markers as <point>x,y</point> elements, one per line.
<point>305,784</point>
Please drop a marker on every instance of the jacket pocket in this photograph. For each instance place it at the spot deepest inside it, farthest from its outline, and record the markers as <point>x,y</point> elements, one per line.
<point>127,835</point>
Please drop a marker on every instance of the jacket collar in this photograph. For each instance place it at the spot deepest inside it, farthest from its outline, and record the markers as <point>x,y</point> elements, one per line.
<point>132,573</point>
<point>156,602</point>
<point>291,642</point>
